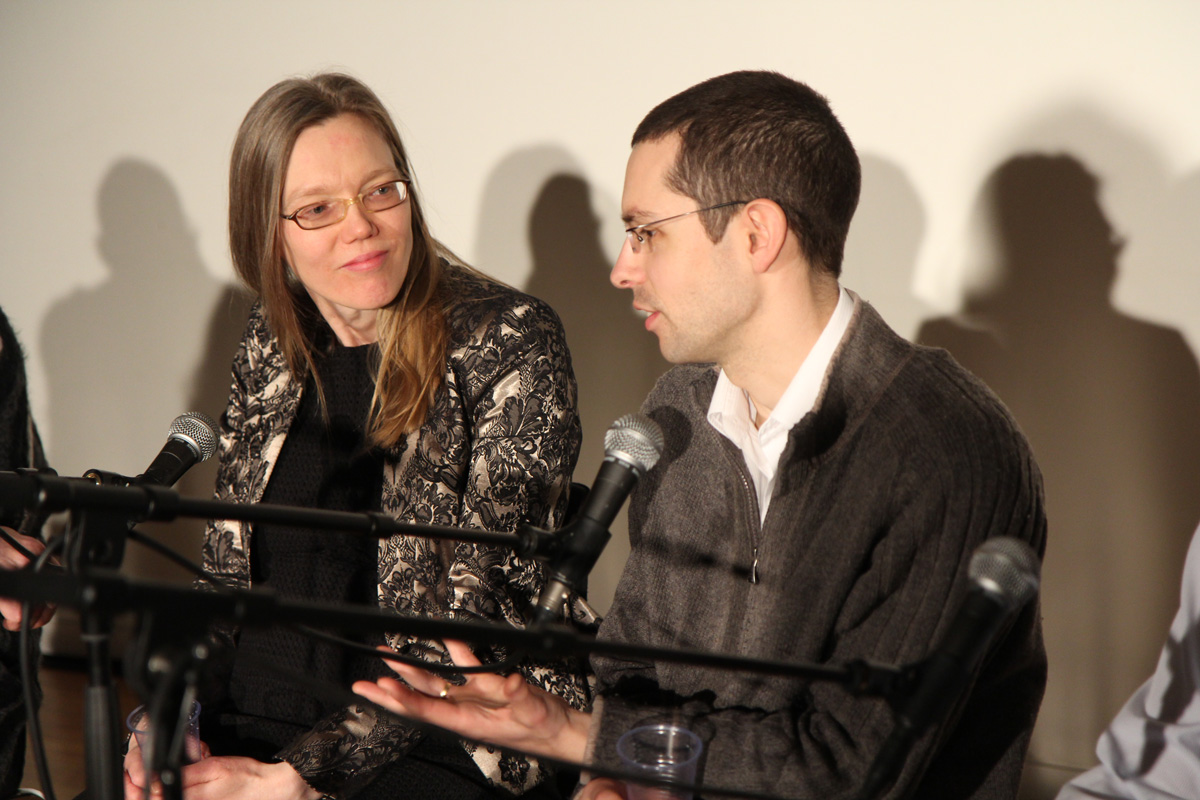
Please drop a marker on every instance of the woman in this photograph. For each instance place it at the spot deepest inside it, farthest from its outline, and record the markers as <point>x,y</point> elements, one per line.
<point>373,375</point>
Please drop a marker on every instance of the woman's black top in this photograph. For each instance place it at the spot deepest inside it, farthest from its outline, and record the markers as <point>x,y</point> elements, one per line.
<point>328,466</point>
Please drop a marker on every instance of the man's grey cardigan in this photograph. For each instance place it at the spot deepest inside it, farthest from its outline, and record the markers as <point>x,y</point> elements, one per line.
<point>906,465</point>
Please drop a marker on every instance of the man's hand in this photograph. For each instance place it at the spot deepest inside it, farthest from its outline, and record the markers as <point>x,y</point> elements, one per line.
<point>10,558</point>
<point>506,711</point>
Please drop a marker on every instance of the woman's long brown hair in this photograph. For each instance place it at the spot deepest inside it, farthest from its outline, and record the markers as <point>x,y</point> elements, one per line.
<point>412,330</point>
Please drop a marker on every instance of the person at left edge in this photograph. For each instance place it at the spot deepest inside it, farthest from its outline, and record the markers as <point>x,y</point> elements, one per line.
<point>19,447</point>
<point>375,374</point>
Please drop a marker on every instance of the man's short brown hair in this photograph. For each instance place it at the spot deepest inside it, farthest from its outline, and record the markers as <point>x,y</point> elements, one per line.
<point>750,135</point>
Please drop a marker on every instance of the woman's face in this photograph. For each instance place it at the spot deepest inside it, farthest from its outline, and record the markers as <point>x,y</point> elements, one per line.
<point>355,267</point>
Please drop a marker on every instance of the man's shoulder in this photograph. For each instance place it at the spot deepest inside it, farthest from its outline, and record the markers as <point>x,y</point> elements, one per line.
<point>876,357</point>
<point>683,386</point>
<point>919,393</point>
<point>934,379</point>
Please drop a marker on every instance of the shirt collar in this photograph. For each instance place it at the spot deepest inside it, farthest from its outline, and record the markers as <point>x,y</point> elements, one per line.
<point>731,411</point>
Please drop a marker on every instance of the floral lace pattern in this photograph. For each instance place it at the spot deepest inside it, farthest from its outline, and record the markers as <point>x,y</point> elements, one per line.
<point>496,452</point>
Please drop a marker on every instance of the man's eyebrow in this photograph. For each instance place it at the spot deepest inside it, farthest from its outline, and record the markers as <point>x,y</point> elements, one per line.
<point>632,216</point>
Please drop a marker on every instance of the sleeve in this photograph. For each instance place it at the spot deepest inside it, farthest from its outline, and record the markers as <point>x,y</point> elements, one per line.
<point>522,440</point>
<point>819,740</point>
<point>525,441</point>
<point>1151,750</point>
<point>524,437</point>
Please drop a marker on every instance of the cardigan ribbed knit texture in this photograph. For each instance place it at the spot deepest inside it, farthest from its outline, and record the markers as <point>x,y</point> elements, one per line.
<point>906,465</point>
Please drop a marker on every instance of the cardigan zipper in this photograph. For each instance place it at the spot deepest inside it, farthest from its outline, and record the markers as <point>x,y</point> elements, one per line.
<point>753,528</point>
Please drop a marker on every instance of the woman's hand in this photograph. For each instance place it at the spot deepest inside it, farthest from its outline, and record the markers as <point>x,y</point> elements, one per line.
<point>224,778</point>
<point>603,789</point>
<point>506,711</point>
<point>135,770</point>
<point>237,778</point>
<point>10,558</point>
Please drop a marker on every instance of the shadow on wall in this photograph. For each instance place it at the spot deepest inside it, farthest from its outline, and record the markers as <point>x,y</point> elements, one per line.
<point>881,250</point>
<point>540,192</point>
<point>1111,405</point>
<point>124,358</point>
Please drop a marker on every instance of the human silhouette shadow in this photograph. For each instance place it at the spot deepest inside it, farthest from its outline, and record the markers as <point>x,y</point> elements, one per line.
<point>540,195</point>
<point>153,339</point>
<point>1179,653</point>
<point>881,250</point>
<point>1111,405</point>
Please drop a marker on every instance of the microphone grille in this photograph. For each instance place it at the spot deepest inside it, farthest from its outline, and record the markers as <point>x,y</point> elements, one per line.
<point>1007,568</point>
<point>197,430</point>
<point>635,439</point>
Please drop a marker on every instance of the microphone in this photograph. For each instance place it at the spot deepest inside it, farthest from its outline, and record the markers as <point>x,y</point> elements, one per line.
<point>98,539</point>
<point>1004,577</point>
<point>191,438</point>
<point>632,447</point>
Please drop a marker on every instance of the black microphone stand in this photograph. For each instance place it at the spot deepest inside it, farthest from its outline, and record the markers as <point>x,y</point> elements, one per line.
<point>250,607</point>
<point>103,507</point>
<point>164,665</point>
<point>258,607</point>
<point>103,593</point>
<point>96,538</point>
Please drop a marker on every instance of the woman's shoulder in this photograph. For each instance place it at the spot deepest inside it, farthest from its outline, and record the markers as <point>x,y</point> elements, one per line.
<point>256,335</point>
<point>479,308</point>
<point>256,324</point>
<point>259,354</point>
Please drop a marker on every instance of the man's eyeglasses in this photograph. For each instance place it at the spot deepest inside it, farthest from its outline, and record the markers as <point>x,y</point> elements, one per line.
<point>332,210</point>
<point>641,234</point>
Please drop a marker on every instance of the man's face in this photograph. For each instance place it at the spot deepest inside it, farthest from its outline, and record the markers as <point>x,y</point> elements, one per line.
<point>694,291</point>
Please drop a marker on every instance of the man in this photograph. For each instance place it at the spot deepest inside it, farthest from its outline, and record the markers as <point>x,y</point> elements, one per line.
<point>19,447</point>
<point>1152,747</point>
<point>823,486</point>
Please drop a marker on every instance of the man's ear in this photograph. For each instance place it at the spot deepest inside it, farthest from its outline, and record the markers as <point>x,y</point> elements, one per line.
<point>768,230</point>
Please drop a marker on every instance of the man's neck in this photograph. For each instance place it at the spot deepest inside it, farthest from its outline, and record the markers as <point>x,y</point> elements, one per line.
<point>783,336</point>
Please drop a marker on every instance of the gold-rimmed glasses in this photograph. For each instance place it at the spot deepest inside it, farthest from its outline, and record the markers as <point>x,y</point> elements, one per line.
<point>333,210</point>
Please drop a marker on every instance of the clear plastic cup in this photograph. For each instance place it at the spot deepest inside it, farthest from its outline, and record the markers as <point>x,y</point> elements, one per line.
<point>138,723</point>
<point>664,751</point>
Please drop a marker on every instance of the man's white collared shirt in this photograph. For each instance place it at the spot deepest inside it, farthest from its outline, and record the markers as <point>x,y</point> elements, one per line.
<point>732,412</point>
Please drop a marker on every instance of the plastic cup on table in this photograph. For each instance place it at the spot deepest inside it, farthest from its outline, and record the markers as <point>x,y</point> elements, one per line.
<point>663,751</point>
<point>138,723</point>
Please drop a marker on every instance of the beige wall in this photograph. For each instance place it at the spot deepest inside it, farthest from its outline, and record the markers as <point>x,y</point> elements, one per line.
<point>116,120</point>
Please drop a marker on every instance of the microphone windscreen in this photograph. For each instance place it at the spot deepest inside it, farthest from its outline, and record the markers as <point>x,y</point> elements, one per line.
<point>198,430</point>
<point>635,439</point>
<point>1006,568</point>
